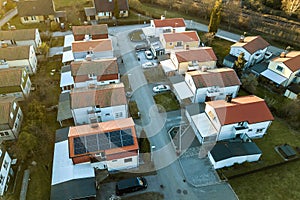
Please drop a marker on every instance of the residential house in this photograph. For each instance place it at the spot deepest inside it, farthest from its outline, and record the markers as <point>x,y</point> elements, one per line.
<point>14,82</point>
<point>98,103</point>
<point>21,37</point>
<point>66,79</point>
<point>11,117</point>
<point>64,108</point>
<point>193,59</point>
<point>108,145</point>
<point>6,172</point>
<point>213,84</point>
<point>94,32</point>
<point>105,8</point>
<point>285,69</point>
<point>36,11</point>
<point>156,47</point>
<point>92,49</point>
<point>68,56</point>
<point>97,72</point>
<point>19,56</point>
<point>70,181</point>
<point>253,47</point>
<point>230,152</point>
<point>230,118</point>
<point>169,25</point>
<point>293,91</point>
<point>182,40</point>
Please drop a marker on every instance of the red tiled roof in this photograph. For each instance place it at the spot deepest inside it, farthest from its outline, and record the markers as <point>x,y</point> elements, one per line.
<point>223,77</point>
<point>94,45</point>
<point>173,22</point>
<point>293,61</point>
<point>203,54</point>
<point>187,36</point>
<point>98,67</point>
<point>104,96</point>
<point>253,44</point>
<point>247,108</point>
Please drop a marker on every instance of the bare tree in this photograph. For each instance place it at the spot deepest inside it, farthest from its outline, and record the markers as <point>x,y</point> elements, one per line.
<point>290,6</point>
<point>231,10</point>
<point>186,5</point>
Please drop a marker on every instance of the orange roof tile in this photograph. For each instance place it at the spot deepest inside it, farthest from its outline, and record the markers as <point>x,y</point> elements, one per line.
<point>187,36</point>
<point>203,54</point>
<point>104,127</point>
<point>253,44</point>
<point>291,60</point>
<point>247,108</point>
<point>94,45</point>
<point>104,96</point>
<point>90,30</point>
<point>223,77</point>
<point>173,22</point>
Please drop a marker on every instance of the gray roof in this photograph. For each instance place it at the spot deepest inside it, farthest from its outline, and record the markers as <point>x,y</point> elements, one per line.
<point>64,108</point>
<point>74,189</point>
<point>176,79</point>
<point>195,108</point>
<point>18,34</point>
<point>295,88</point>
<point>61,134</point>
<point>66,68</point>
<point>228,149</point>
<point>35,7</point>
<point>14,53</point>
<point>230,58</point>
<point>260,67</point>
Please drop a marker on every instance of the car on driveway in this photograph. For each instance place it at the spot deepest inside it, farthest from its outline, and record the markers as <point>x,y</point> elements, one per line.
<point>161,88</point>
<point>148,55</point>
<point>149,65</point>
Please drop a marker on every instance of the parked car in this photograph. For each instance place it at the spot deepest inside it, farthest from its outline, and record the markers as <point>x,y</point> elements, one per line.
<point>149,65</point>
<point>148,55</point>
<point>161,88</point>
<point>131,185</point>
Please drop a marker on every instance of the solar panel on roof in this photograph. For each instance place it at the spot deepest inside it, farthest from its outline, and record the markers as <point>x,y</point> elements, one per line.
<point>100,141</point>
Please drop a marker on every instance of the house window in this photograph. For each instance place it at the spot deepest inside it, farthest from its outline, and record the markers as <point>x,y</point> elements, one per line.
<point>6,133</point>
<point>1,179</point>
<point>107,114</point>
<point>107,14</point>
<point>25,18</point>
<point>14,105</point>
<point>279,68</point>
<point>127,160</point>
<point>118,115</point>
<point>33,18</point>
<point>114,160</point>
<point>260,130</point>
<point>211,115</point>
<point>179,44</point>
<point>241,124</point>
<point>249,130</point>
<point>92,75</point>
<point>171,43</point>
<point>5,164</point>
<point>16,125</point>
<point>1,133</point>
<point>19,116</point>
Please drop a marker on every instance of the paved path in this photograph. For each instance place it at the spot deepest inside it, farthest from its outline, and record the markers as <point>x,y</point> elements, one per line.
<point>24,184</point>
<point>10,14</point>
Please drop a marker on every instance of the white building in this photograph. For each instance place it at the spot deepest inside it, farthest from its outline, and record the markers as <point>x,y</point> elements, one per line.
<point>20,56</point>
<point>6,172</point>
<point>99,103</point>
<point>213,84</point>
<point>169,25</point>
<point>11,117</point>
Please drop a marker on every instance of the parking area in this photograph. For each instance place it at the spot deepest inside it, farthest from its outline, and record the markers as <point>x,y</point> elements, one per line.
<point>142,59</point>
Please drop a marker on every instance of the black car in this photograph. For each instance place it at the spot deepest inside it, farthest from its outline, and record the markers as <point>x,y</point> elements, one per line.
<point>131,185</point>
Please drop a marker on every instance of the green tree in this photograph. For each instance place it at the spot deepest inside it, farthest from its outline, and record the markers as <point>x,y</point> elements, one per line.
<point>249,83</point>
<point>44,48</point>
<point>290,6</point>
<point>26,144</point>
<point>239,64</point>
<point>215,17</point>
<point>116,9</point>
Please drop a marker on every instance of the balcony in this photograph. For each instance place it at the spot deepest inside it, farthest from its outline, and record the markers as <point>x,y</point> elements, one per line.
<point>240,129</point>
<point>213,92</point>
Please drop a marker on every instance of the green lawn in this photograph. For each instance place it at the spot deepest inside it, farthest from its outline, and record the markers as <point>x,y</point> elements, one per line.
<point>166,102</point>
<point>135,36</point>
<point>17,23</point>
<point>221,48</point>
<point>133,110</point>
<point>57,41</point>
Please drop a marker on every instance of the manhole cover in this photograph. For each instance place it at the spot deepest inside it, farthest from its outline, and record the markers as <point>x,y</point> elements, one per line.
<point>184,191</point>
<point>179,191</point>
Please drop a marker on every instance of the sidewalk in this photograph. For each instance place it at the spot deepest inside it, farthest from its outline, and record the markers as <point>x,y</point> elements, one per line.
<point>10,14</point>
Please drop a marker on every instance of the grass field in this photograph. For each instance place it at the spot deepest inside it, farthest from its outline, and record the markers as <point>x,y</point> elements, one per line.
<point>167,101</point>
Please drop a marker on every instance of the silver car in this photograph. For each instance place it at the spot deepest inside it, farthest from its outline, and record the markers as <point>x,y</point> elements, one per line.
<point>161,88</point>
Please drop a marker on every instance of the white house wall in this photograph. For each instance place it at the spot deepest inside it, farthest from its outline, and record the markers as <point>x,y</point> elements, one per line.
<point>80,115</point>
<point>236,51</point>
<point>96,55</point>
<point>231,161</point>
<point>201,93</point>
<point>5,172</point>
<point>189,80</point>
<point>32,59</point>
<point>119,164</point>
<point>26,90</point>
<point>215,121</point>
<point>228,132</point>
<point>86,83</point>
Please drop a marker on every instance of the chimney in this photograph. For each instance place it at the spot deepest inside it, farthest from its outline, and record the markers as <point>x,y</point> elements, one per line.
<point>87,37</point>
<point>242,38</point>
<point>88,57</point>
<point>228,98</point>
<point>162,17</point>
<point>283,54</point>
